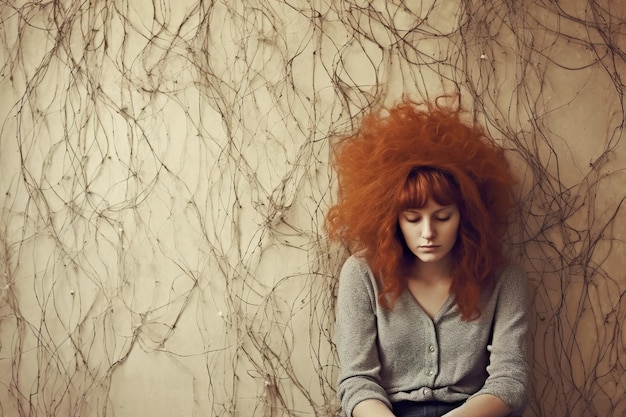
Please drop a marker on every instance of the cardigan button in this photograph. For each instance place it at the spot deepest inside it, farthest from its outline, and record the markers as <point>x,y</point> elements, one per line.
<point>431,348</point>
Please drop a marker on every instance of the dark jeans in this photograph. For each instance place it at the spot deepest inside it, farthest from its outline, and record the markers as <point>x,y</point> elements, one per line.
<point>423,409</point>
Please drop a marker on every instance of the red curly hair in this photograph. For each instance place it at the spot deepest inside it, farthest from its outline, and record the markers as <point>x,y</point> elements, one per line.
<point>397,160</point>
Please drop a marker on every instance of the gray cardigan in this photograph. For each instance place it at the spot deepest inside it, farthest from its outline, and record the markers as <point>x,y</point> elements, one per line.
<point>403,354</point>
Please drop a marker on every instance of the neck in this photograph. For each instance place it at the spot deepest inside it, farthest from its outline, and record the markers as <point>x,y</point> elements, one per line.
<point>431,272</point>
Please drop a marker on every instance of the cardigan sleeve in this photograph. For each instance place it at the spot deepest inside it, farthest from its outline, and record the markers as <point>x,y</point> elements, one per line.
<point>508,365</point>
<point>356,337</point>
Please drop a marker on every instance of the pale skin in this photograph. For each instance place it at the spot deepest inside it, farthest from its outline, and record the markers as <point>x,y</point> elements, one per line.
<point>430,233</point>
<point>485,405</point>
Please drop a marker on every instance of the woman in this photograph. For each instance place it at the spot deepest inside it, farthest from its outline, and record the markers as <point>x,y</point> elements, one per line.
<point>431,320</point>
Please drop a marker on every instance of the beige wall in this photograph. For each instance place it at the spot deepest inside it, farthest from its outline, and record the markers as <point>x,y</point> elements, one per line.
<point>164,176</point>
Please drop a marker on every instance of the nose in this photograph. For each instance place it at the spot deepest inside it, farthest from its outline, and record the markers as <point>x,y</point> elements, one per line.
<point>428,230</point>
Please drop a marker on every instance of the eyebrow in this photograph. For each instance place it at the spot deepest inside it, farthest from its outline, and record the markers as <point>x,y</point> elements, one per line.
<point>419,211</point>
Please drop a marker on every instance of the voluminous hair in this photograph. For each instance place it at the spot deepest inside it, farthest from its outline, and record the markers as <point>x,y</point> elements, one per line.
<point>398,159</point>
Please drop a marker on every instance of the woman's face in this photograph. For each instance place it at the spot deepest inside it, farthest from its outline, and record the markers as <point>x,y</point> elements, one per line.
<point>430,232</point>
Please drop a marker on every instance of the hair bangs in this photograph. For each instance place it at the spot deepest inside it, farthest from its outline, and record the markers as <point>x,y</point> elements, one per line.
<point>398,160</point>
<point>424,183</point>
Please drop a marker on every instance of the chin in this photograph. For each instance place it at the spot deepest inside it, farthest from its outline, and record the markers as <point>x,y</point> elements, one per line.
<point>430,259</point>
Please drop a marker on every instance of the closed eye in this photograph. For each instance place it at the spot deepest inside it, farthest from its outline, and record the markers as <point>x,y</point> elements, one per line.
<point>418,219</point>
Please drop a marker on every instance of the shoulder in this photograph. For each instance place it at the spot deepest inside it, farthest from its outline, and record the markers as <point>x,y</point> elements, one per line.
<point>357,287</point>
<point>356,263</point>
<point>512,272</point>
<point>357,273</point>
<point>512,282</point>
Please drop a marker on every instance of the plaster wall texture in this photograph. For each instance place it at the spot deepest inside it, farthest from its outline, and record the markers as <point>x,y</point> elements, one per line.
<point>164,177</point>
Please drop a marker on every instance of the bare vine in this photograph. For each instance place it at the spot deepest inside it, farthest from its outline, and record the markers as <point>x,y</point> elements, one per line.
<point>164,173</point>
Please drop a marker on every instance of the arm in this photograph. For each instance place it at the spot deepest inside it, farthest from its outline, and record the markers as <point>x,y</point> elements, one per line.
<point>371,408</point>
<point>356,336</point>
<point>505,390</point>
<point>485,405</point>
